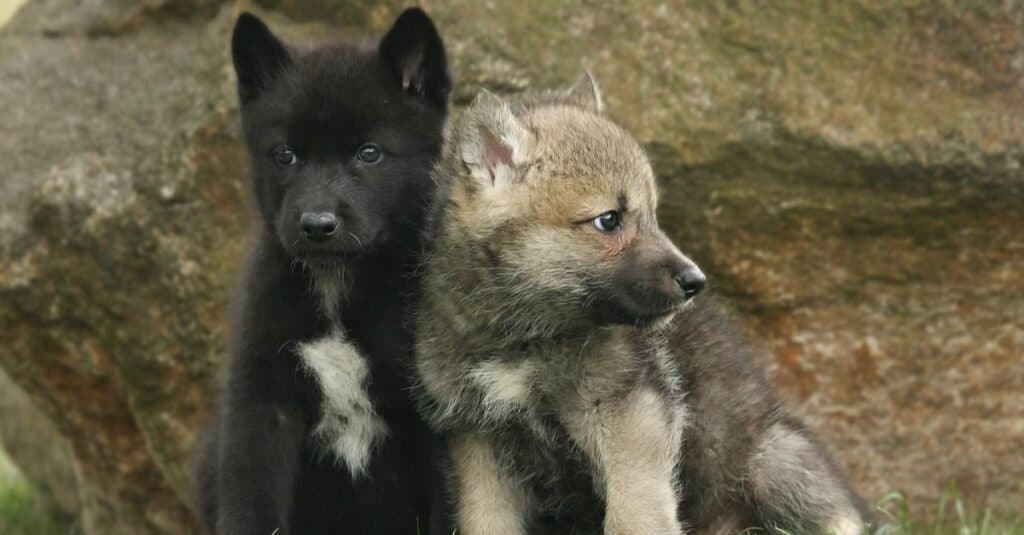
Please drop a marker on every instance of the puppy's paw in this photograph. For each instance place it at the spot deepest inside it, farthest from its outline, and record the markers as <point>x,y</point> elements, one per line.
<point>652,525</point>
<point>845,524</point>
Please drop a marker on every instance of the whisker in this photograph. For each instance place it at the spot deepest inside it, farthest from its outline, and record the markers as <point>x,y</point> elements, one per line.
<point>356,238</point>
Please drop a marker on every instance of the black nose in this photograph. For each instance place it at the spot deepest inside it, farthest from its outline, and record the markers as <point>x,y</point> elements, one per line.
<point>318,227</point>
<point>692,281</point>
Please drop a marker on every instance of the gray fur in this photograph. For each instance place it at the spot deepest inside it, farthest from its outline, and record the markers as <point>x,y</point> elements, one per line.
<point>557,419</point>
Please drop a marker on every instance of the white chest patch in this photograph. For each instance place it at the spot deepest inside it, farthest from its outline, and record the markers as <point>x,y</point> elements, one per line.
<point>506,386</point>
<point>349,427</point>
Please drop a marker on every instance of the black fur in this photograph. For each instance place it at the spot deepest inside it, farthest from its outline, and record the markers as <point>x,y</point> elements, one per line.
<point>259,469</point>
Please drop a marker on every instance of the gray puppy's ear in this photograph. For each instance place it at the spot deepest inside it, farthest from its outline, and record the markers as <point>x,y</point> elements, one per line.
<point>585,93</point>
<point>493,142</point>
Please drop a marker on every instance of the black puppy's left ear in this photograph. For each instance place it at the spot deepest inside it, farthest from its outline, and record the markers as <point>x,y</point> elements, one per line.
<point>415,52</point>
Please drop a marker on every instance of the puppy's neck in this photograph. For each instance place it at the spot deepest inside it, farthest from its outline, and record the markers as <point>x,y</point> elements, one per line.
<point>332,288</point>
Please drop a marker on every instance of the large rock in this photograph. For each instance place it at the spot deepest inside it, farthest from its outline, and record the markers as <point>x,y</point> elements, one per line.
<point>41,453</point>
<point>122,223</point>
<point>849,175</point>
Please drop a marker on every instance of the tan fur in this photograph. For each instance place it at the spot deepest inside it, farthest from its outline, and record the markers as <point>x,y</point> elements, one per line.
<point>635,442</point>
<point>848,523</point>
<point>487,501</point>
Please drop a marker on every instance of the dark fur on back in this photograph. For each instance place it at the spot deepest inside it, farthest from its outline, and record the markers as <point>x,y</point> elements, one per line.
<point>261,468</point>
<point>734,406</point>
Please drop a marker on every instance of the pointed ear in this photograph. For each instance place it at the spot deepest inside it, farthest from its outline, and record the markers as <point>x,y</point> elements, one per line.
<point>415,53</point>
<point>258,55</point>
<point>585,93</point>
<point>493,142</point>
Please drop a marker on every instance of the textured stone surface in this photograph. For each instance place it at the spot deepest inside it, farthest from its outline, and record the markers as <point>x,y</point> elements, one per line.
<point>849,173</point>
<point>41,453</point>
<point>121,226</point>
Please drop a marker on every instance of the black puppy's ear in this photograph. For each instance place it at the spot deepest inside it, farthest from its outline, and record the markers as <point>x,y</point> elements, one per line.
<point>258,55</point>
<point>414,51</point>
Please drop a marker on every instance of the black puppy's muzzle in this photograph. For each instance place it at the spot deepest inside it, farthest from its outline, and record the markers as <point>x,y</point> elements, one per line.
<point>318,227</point>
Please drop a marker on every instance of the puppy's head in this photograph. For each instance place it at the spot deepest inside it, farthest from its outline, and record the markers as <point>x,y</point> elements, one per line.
<point>564,202</point>
<point>342,136</point>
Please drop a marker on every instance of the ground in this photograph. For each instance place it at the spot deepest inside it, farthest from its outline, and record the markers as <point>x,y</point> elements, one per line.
<point>22,512</point>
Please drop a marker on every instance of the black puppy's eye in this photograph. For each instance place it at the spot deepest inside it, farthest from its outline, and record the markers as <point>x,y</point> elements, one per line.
<point>285,156</point>
<point>369,153</point>
<point>608,221</point>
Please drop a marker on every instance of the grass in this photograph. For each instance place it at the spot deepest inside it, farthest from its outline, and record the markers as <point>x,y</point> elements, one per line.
<point>951,517</point>
<point>22,512</point>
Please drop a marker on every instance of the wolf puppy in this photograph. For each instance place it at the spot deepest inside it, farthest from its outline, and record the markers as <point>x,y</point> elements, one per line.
<point>314,431</point>
<point>559,347</point>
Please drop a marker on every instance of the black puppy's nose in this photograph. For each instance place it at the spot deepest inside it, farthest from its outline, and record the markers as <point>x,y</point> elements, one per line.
<point>318,227</point>
<point>691,280</point>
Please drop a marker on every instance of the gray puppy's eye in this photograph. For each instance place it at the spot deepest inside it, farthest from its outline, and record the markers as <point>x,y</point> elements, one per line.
<point>285,156</point>
<point>369,153</point>
<point>608,222</point>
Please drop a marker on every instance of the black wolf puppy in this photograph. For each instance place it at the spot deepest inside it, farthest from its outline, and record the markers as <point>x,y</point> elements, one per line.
<point>314,431</point>
<point>559,346</point>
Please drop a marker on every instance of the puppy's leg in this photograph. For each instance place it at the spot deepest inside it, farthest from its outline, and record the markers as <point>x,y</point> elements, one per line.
<point>259,460</point>
<point>794,487</point>
<point>634,441</point>
<point>488,502</point>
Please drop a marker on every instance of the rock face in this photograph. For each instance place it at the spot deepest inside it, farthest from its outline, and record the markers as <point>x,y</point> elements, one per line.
<point>40,452</point>
<point>849,175</point>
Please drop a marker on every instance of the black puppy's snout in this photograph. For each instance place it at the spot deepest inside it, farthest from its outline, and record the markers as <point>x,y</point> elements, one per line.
<point>318,226</point>
<point>691,280</point>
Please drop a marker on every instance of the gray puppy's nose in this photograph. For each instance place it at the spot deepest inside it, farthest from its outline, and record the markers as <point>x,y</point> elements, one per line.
<point>691,280</point>
<point>318,227</point>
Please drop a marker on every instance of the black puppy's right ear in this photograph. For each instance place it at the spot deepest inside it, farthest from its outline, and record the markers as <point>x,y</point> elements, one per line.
<point>258,55</point>
<point>414,51</point>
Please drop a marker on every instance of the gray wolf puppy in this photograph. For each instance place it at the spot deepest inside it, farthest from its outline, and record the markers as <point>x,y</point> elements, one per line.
<point>560,348</point>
